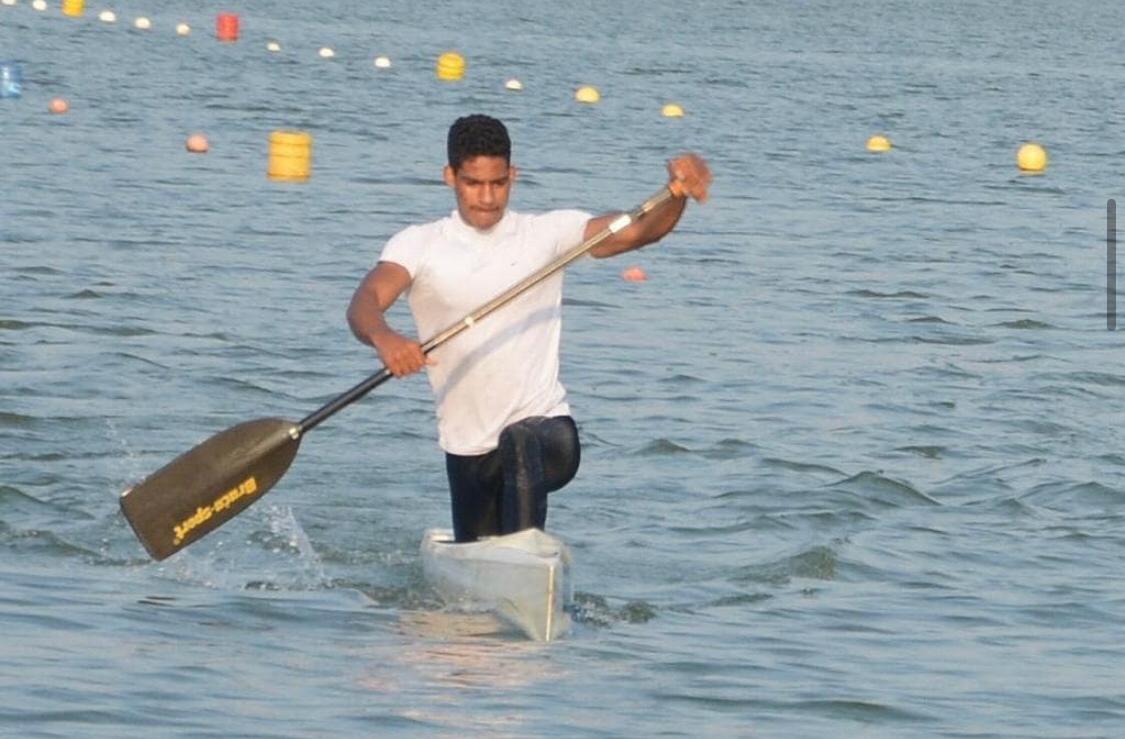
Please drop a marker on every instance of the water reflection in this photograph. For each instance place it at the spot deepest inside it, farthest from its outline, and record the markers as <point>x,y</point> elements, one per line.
<point>468,667</point>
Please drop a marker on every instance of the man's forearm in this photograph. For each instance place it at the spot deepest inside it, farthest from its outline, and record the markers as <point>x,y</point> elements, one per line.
<point>647,230</point>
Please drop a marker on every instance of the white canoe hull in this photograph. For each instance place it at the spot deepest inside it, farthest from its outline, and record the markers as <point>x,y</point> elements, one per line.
<point>523,577</point>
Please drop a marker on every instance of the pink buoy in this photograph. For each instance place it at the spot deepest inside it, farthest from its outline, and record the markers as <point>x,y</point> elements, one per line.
<point>634,274</point>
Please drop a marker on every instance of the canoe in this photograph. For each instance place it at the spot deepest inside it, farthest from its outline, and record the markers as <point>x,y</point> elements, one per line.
<point>523,577</point>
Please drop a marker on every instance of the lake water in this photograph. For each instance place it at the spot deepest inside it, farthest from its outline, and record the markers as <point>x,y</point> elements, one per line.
<point>851,459</point>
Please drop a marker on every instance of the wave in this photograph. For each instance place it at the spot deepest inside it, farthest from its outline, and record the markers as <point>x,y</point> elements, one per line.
<point>1024,324</point>
<point>43,542</point>
<point>791,465</point>
<point>730,449</point>
<point>1075,497</point>
<point>954,340</point>
<point>16,501</point>
<point>865,293</point>
<point>595,610</point>
<point>16,420</point>
<point>85,295</point>
<point>817,563</point>
<point>873,488</point>
<point>929,452</point>
<point>661,448</point>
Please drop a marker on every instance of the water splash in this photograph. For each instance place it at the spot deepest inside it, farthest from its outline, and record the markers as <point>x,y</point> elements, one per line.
<point>280,557</point>
<point>595,610</point>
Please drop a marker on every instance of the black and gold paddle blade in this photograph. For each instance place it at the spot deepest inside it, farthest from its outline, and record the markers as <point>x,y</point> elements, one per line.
<point>207,486</point>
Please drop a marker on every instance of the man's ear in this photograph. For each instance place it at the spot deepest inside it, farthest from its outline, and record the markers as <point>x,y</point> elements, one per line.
<point>449,175</point>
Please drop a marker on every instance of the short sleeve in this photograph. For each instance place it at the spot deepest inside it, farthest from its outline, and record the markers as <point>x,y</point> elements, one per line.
<point>405,249</point>
<point>566,228</point>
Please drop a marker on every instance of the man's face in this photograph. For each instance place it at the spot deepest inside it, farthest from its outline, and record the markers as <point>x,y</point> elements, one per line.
<point>482,185</point>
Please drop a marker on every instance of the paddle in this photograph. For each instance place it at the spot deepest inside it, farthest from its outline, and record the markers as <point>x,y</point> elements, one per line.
<point>209,485</point>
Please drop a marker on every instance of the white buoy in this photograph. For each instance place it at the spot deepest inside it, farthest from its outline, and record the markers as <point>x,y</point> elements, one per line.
<point>107,16</point>
<point>142,23</point>
<point>382,62</point>
<point>9,3</point>
<point>273,46</point>
<point>39,5</point>
<point>183,29</point>
<point>514,84</point>
<point>326,52</point>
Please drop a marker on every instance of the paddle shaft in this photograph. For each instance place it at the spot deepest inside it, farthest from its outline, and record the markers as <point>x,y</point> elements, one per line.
<point>348,397</point>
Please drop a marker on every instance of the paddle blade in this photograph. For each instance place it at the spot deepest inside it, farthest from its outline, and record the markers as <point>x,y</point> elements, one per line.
<point>209,485</point>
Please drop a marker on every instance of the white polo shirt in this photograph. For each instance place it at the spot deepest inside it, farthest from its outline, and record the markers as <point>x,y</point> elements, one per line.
<point>506,367</point>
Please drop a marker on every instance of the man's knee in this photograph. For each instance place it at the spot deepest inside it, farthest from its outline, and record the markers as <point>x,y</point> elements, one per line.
<point>555,441</point>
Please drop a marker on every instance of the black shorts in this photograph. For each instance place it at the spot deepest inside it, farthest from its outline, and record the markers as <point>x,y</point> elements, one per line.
<point>505,490</point>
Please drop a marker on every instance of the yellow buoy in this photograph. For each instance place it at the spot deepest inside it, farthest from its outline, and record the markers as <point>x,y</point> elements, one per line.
<point>672,110</point>
<point>290,156</point>
<point>450,66</point>
<point>1031,157</point>
<point>73,8</point>
<point>587,94</point>
<point>879,143</point>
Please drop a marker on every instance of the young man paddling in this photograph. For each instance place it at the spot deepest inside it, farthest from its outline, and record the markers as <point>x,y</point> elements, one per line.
<point>503,419</point>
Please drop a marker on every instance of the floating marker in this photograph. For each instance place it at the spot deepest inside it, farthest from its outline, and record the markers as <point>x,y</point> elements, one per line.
<point>1031,157</point>
<point>11,79</point>
<point>73,8</point>
<point>672,110</point>
<point>183,29</point>
<point>58,106</point>
<point>142,23</point>
<point>107,16</point>
<point>634,274</point>
<point>382,62</point>
<point>226,27</point>
<point>450,66</point>
<point>878,143</point>
<point>273,46</point>
<point>514,85</point>
<point>326,52</point>
<point>39,5</point>
<point>197,144</point>
<point>290,156</point>
<point>9,3</point>
<point>587,94</point>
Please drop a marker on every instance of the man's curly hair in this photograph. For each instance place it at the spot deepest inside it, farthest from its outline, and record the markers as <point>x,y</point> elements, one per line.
<point>477,135</point>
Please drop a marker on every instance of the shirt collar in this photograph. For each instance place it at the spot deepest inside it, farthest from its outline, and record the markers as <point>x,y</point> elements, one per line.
<point>464,232</point>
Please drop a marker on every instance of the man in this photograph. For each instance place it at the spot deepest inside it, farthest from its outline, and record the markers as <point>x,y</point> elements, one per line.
<point>503,420</point>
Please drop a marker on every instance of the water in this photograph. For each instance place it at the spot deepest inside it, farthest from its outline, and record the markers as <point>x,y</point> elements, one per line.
<point>851,466</point>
